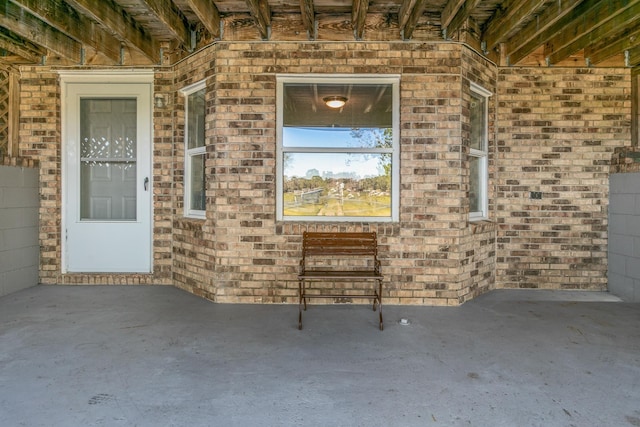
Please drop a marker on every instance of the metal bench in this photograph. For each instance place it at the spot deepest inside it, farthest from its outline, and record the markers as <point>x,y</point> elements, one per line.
<point>329,256</point>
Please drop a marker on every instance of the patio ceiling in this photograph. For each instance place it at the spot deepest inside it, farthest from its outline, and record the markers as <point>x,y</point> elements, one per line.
<point>147,32</point>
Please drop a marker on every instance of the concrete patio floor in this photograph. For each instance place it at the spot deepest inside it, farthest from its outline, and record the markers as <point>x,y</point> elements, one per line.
<point>157,356</point>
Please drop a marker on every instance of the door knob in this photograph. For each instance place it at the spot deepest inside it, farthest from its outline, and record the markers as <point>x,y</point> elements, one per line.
<point>146,184</point>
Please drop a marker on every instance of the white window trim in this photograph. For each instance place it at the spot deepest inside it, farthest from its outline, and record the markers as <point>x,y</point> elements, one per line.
<point>188,153</point>
<point>394,81</point>
<point>483,155</point>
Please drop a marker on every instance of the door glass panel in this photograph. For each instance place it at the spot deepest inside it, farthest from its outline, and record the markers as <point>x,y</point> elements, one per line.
<point>108,159</point>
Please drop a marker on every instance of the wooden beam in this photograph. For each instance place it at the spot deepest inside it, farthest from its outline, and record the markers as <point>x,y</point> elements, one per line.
<point>308,17</point>
<point>208,14</point>
<point>173,19</point>
<point>113,17</point>
<point>461,16</point>
<point>614,45</point>
<point>633,56</point>
<point>539,30</point>
<point>404,13</point>
<point>596,24</point>
<point>67,20</point>
<point>23,48</point>
<point>410,12</point>
<point>261,14</point>
<point>358,17</point>
<point>449,12</point>
<point>13,121</point>
<point>635,107</point>
<point>506,21</point>
<point>29,27</point>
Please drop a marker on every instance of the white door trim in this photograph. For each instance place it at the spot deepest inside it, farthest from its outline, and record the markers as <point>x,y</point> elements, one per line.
<point>101,78</point>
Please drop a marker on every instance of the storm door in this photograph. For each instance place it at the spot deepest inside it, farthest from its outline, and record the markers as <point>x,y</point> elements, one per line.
<point>107,178</point>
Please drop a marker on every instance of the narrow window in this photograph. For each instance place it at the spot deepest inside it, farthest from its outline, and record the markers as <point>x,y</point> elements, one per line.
<point>195,151</point>
<point>478,154</point>
<point>338,148</point>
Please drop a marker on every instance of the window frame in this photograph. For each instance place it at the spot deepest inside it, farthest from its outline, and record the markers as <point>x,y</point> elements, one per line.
<point>190,153</point>
<point>482,155</point>
<point>391,79</point>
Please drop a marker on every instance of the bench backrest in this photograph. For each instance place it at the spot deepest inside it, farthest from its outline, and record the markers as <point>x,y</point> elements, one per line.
<point>329,244</point>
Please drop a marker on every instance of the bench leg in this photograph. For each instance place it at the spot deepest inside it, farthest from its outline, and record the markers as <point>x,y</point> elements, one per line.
<point>301,301</point>
<point>379,298</point>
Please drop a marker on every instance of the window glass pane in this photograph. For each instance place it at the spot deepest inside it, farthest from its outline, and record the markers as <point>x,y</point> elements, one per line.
<point>475,191</point>
<point>478,121</point>
<point>337,137</point>
<point>197,184</point>
<point>337,184</point>
<point>195,119</point>
<point>366,105</point>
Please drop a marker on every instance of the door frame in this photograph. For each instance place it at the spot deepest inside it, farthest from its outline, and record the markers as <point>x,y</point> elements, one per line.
<point>101,78</point>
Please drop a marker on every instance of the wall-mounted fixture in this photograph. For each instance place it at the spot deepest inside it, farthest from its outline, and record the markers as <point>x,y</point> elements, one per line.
<point>160,100</point>
<point>335,101</point>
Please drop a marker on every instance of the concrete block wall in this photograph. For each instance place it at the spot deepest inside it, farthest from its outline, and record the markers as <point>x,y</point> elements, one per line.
<point>624,236</point>
<point>558,130</point>
<point>19,246</point>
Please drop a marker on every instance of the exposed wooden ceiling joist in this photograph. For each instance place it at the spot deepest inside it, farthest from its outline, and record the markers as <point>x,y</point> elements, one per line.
<point>593,24</point>
<point>449,12</point>
<point>30,27</point>
<point>464,12</point>
<point>174,21</point>
<point>144,32</point>
<point>506,21</point>
<point>208,14</point>
<point>607,47</point>
<point>65,19</point>
<point>633,56</point>
<point>538,31</point>
<point>308,16</point>
<point>20,47</point>
<point>113,17</point>
<point>261,14</point>
<point>410,12</point>
<point>358,17</point>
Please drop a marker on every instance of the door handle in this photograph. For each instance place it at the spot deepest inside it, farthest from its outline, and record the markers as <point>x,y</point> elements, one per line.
<point>146,184</point>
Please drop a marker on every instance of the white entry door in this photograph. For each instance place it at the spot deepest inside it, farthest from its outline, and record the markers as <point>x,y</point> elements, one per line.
<point>107,177</point>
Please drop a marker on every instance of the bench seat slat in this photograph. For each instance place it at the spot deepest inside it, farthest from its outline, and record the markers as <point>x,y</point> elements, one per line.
<point>338,251</point>
<point>333,274</point>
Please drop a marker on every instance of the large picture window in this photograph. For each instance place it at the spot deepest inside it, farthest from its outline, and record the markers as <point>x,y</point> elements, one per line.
<point>478,153</point>
<point>195,151</point>
<point>338,148</point>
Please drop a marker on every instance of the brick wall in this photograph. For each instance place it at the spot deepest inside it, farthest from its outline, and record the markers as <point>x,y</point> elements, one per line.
<point>194,239</point>
<point>478,240</point>
<point>242,254</point>
<point>557,131</point>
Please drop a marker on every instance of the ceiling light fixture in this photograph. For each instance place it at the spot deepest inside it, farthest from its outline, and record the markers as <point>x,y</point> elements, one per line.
<point>335,101</point>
